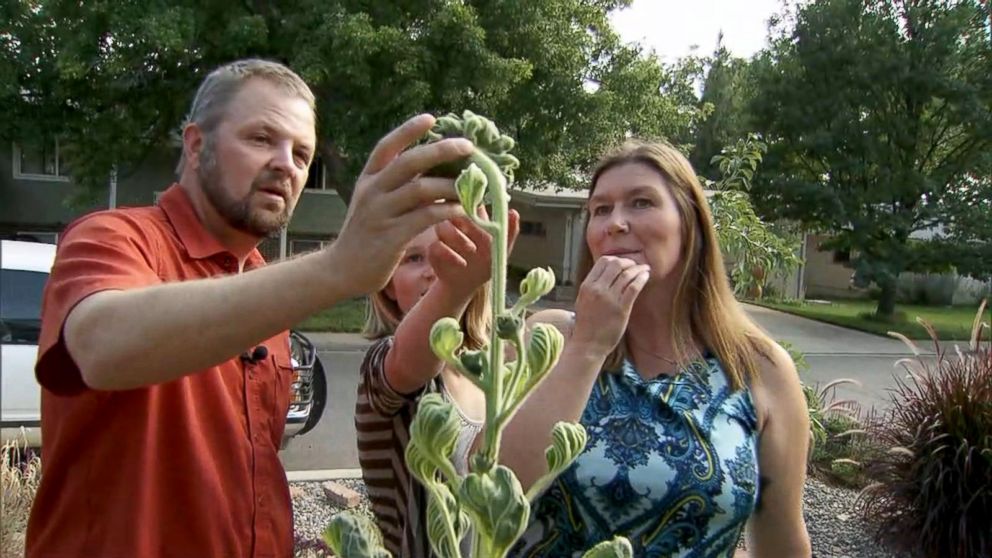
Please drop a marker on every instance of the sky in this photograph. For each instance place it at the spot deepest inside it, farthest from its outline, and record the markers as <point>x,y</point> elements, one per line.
<point>671,27</point>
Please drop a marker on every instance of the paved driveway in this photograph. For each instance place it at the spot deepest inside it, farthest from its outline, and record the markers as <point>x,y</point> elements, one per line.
<point>832,352</point>
<point>817,338</point>
<point>835,352</point>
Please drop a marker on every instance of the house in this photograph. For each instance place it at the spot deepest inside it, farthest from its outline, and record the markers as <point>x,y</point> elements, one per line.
<point>35,185</point>
<point>828,274</point>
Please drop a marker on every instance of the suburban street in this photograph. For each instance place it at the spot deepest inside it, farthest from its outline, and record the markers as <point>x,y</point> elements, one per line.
<point>832,352</point>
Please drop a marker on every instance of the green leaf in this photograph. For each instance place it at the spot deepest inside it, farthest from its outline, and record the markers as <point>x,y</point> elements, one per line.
<point>446,524</point>
<point>433,435</point>
<point>619,547</point>
<point>495,501</point>
<point>446,338</point>
<point>353,535</point>
<point>543,350</point>
<point>567,442</point>
<point>475,363</point>
<point>471,186</point>
<point>538,282</point>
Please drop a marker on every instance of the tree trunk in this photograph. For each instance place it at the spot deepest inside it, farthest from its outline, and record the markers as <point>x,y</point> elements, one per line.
<point>886,300</point>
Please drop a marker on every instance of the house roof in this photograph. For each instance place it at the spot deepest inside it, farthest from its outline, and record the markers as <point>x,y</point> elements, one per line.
<point>547,195</point>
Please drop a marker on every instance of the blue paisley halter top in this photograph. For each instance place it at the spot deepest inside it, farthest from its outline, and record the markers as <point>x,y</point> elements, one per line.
<point>671,464</point>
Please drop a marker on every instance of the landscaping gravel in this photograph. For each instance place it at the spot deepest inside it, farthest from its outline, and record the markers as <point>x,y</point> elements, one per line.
<point>832,518</point>
<point>836,528</point>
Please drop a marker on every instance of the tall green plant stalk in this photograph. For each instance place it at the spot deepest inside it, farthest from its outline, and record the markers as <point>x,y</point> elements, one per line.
<point>489,503</point>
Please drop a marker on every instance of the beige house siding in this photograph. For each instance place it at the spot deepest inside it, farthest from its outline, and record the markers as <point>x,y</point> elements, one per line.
<point>543,247</point>
<point>825,276</point>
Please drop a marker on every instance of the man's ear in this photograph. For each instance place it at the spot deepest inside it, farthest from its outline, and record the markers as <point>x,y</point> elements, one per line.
<point>192,145</point>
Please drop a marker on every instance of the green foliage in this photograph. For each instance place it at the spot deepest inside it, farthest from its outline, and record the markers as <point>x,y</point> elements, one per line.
<point>837,442</point>
<point>488,501</point>
<point>619,547</point>
<point>798,357</point>
<point>950,322</point>
<point>727,90</point>
<point>878,116</point>
<point>933,489</point>
<point>347,316</point>
<point>348,535</point>
<point>114,79</point>
<point>756,249</point>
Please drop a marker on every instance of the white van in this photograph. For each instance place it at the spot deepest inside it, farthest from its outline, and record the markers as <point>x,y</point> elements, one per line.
<point>24,269</point>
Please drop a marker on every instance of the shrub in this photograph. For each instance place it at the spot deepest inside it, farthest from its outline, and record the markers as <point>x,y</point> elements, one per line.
<point>933,489</point>
<point>20,472</point>
<point>838,445</point>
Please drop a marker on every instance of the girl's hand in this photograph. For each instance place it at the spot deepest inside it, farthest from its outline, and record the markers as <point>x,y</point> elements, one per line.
<point>462,256</point>
<point>605,300</point>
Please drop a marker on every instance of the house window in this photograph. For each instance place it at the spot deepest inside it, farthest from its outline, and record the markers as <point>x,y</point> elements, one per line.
<point>533,228</point>
<point>316,178</point>
<point>40,160</point>
<point>304,245</point>
<point>842,256</point>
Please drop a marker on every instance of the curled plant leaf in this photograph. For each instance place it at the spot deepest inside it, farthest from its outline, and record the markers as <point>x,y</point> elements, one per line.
<point>483,133</point>
<point>545,346</point>
<point>420,464</point>
<point>567,442</point>
<point>473,125</point>
<point>475,363</point>
<point>495,501</point>
<point>539,282</point>
<point>446,524</point>
<point>446,337</point>
<point>351,535</point>
<point>619,547</point>
<point>434,429</point>
<point>471,186</point>
<point>508,326</point>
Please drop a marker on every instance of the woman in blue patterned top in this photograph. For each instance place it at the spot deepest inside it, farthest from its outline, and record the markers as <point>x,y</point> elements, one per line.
<point>696,419</point>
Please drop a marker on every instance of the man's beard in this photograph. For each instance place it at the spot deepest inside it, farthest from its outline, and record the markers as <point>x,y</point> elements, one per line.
<point>238,212</point>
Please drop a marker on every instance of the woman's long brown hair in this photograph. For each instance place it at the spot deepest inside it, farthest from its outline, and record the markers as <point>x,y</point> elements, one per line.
<point>704,308</point>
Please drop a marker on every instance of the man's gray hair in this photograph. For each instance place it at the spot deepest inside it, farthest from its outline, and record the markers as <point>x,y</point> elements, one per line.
<point>221,85</point>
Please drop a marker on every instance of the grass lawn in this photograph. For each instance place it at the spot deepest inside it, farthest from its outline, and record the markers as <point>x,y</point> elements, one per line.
<point>951,322</point>
<point>346,317</point>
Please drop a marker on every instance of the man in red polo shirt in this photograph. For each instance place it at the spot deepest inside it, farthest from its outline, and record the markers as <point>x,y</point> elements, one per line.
<point>161,413</point>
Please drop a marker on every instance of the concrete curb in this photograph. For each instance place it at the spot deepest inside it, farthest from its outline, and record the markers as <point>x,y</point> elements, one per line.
<point>320,475</point>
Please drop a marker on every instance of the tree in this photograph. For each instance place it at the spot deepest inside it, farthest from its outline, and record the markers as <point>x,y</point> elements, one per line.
<point>877,115</point>
<point>727,90</point>
<point>113,79</point>
<point>757,250</point>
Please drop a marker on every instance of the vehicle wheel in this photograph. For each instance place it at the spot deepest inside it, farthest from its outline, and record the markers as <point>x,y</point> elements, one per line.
<point>319,397</point>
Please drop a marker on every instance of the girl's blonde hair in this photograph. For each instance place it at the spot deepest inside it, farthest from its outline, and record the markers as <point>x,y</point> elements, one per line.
<point>703,297</point>
<point>383,316</point>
